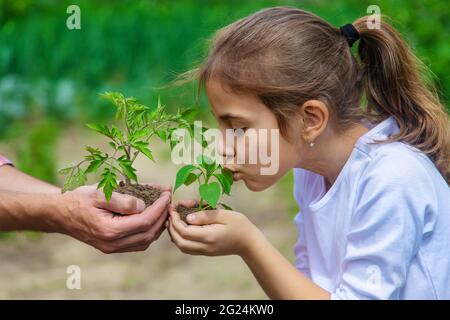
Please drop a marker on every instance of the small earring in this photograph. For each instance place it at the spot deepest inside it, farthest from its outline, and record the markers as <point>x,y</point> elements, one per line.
<point>311,144</point>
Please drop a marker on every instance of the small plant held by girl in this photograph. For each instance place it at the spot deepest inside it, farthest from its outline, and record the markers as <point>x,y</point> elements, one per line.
<point>140,123</point>
<point>210,191</point>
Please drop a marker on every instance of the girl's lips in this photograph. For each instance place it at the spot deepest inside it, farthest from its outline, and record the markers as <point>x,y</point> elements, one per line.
<point>236,175</point>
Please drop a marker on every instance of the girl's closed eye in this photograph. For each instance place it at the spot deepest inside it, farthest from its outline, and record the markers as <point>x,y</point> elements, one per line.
<point>240,129</point>
<point>239,132</point>
<point>238,126</point>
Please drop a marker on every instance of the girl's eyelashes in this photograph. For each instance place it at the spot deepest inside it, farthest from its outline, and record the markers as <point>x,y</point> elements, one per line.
<point>240,129</point>
<point>236,127</point>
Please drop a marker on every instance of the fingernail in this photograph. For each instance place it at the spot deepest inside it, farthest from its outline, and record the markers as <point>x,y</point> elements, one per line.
<point>191,217</point>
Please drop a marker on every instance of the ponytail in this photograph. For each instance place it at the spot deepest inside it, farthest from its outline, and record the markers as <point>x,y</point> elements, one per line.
<point>394,87</point>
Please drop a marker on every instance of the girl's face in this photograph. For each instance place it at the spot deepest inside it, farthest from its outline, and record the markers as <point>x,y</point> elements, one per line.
<point>245,111</point>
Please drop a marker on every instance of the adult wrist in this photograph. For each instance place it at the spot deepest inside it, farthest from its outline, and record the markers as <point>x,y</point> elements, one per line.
<point>47,213</point>
<point>56,216</point>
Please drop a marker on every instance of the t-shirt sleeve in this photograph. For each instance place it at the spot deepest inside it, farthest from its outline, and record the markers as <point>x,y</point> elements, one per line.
<point>300,250</point>
<point>395,211</point>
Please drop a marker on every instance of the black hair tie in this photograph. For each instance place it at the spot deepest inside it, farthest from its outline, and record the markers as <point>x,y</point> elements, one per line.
<point>350,33</point>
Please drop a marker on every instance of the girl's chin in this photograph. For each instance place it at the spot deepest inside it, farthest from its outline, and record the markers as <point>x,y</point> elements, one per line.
<point>254,186</point>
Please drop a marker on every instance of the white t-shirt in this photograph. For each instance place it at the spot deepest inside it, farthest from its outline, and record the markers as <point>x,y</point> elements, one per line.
<point>382,231</point>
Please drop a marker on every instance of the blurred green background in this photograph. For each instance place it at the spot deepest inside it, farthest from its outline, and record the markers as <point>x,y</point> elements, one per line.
<point>50,78</point>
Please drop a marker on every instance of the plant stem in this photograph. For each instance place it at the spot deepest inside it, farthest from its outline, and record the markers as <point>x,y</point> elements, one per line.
<point>206,179</point>
<point>147,139</point>
<point>127,148</point>
<point>125,117</point>
<point>127,180</point>
<point>80,163</point>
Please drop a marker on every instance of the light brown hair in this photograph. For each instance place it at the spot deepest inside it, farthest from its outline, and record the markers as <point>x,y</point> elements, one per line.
<point>286,56</point>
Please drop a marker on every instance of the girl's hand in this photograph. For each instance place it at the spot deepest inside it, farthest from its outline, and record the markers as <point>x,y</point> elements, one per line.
<point>212,232</point>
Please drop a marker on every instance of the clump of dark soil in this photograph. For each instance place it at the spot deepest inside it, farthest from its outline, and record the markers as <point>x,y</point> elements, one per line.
<point>148,194</point>
<point>185,211</point>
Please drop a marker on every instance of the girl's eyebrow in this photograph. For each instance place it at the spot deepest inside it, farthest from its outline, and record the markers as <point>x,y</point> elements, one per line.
<point>230,116</point>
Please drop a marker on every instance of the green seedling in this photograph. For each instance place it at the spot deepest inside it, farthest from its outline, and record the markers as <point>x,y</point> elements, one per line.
<point>213,181</point>
<point>140,123</point>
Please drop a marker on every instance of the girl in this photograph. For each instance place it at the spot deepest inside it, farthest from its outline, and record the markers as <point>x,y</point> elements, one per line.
<point>371,182</point>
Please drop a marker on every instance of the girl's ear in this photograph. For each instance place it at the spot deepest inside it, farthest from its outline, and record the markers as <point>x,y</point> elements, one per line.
<point>314,117</point>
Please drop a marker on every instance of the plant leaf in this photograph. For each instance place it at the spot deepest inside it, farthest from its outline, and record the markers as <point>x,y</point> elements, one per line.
<point>226,186</point>
<point>117,133</point>
<point>210,193</point>
<point>182,175</point>
<point>80,178</point>
<point>76,178</point>
<point>118,100</point>
<point>108,182</point>
<point>190,179</point>
<point>113,145</point>
<point>142,146</point>
<point>128,169</point>
<point>162,135</point>
<point>65,171</point>
<point>189,114</point>
<point>100,128</point>
<point>94,165</point>
<point>226,207</point>
<point>139,134</point>
<point>228,175</point>
<point>208,164</point>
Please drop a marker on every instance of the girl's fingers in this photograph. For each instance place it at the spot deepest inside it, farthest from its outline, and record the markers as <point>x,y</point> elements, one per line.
<point>186,246</point>
<point>194,233</point>
<point>176,216</point>
<point>204,218</point>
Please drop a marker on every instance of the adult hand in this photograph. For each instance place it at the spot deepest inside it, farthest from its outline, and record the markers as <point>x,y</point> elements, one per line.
<point>85,215</point>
